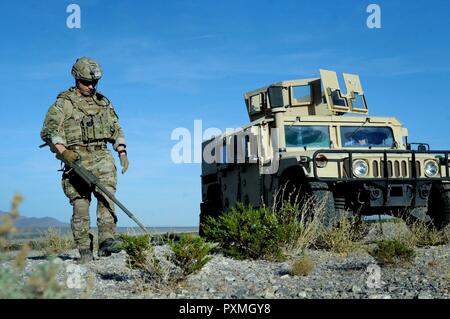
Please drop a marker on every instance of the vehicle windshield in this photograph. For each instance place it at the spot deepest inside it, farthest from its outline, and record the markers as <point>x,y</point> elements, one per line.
<point>359,136</point>
<point>307,136</point>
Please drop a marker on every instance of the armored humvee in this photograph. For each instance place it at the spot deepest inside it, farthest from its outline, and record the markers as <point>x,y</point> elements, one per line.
<point>310,136</point>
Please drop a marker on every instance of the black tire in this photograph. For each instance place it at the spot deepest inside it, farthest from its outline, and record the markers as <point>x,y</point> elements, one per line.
<point>212,206</point>
<point>323,196</point>
<point>439,205</point>
<point>446,200</point>
<point>209,208</point>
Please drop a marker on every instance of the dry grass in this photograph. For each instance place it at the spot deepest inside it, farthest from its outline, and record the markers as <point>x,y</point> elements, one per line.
<point>55,243</point>
<point>14,283</point>
<point>344,238</point>
<point>302,266</point>
<point>7,227</point>
<point>21,258</point>
<point>423,235</point>
<point>4,245</point>
<point>301,222</point>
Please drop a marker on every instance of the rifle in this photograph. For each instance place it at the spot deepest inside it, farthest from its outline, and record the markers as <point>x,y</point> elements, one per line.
<point>92,180</point>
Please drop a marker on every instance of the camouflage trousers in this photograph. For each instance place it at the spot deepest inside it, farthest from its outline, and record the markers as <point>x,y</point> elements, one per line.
<point>101,164</point>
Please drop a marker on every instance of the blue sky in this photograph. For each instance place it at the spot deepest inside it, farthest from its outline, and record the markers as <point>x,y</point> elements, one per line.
<point>168,63</point>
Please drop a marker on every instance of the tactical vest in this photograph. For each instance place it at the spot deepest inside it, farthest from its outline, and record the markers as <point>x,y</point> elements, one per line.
<point>87,119</point>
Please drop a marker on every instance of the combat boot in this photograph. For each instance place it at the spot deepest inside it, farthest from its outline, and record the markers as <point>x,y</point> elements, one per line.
<point>108,247</point>
<point>86,256</point>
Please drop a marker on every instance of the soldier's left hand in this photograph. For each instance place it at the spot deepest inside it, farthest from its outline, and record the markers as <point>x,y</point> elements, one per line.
<point>124,162</point>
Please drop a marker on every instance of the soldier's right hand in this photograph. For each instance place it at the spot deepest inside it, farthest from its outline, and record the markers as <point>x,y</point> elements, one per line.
<point>70,156</point>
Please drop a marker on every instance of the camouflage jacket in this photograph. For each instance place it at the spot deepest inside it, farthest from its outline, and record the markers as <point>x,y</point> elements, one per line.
<point>75,119</point>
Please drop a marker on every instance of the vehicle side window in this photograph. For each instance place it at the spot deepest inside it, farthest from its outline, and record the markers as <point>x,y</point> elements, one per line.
<point>307,136</point>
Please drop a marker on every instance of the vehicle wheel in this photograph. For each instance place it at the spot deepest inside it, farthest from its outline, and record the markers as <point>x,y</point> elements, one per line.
<point>292,187</point>
<point>322,196</point>
<point>439,205</point>
<point>212,206</point>
<point>446,201</point>
<point>209,208</point>
<point>202,218</point>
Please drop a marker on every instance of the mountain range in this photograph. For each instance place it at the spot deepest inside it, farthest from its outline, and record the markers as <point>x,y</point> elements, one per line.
<point>36,222</point>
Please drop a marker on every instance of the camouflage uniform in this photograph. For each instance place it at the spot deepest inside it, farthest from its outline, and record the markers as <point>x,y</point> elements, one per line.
<point>85,124</point>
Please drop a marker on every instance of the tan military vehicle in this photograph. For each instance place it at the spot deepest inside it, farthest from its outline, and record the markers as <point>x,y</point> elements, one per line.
<point>310,137</point>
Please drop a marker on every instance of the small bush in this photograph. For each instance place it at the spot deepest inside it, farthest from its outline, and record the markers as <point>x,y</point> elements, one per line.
<point>190,253</point>
<point>137,249</point>
<point>302,266</point>
<point>10,285</point>
<point>247,232</point>
<point>152,272</point>
<point>343,238</point>
<point>54,243</point>
<point>287,228</point>
<point>392,252</point>
<point>43,284</point>
<point>39,284</point>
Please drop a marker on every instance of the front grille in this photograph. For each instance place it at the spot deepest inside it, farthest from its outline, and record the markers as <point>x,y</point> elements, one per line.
<point>395,168</point>
<point>400,164</point>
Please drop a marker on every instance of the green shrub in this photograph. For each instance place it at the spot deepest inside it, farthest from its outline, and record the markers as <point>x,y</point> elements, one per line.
<point>392,252</point>
<point>190,253</point>
<point>247,232</point>
<point>266,233</point>
<point>153,272</point>
<point>10,286</point>
<point>137,248</point>
<point>43,284</point>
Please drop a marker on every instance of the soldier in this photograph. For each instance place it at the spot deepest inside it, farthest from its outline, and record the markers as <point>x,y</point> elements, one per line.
<point>358,138</point>
<point>80,123</point>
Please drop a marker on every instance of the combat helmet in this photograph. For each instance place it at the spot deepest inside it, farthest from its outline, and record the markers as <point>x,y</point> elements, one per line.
<point>86,69</point>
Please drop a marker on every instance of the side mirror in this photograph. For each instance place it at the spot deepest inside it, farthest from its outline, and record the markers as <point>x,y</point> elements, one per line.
<point>422,148</point>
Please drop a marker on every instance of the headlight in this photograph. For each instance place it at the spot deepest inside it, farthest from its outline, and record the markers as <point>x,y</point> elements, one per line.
<point>321,161</point>
<point>431,169</point>
<point>360,168</point>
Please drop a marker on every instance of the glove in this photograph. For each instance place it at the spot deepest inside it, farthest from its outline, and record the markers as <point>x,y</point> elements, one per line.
<point>123,161</point>
<point>70,156</point>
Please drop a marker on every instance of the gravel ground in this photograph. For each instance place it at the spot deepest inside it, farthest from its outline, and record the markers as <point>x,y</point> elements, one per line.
<point>356,276</point>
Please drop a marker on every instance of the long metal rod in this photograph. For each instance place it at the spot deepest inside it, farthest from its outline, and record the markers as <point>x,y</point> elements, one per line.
<point>123,208</point>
